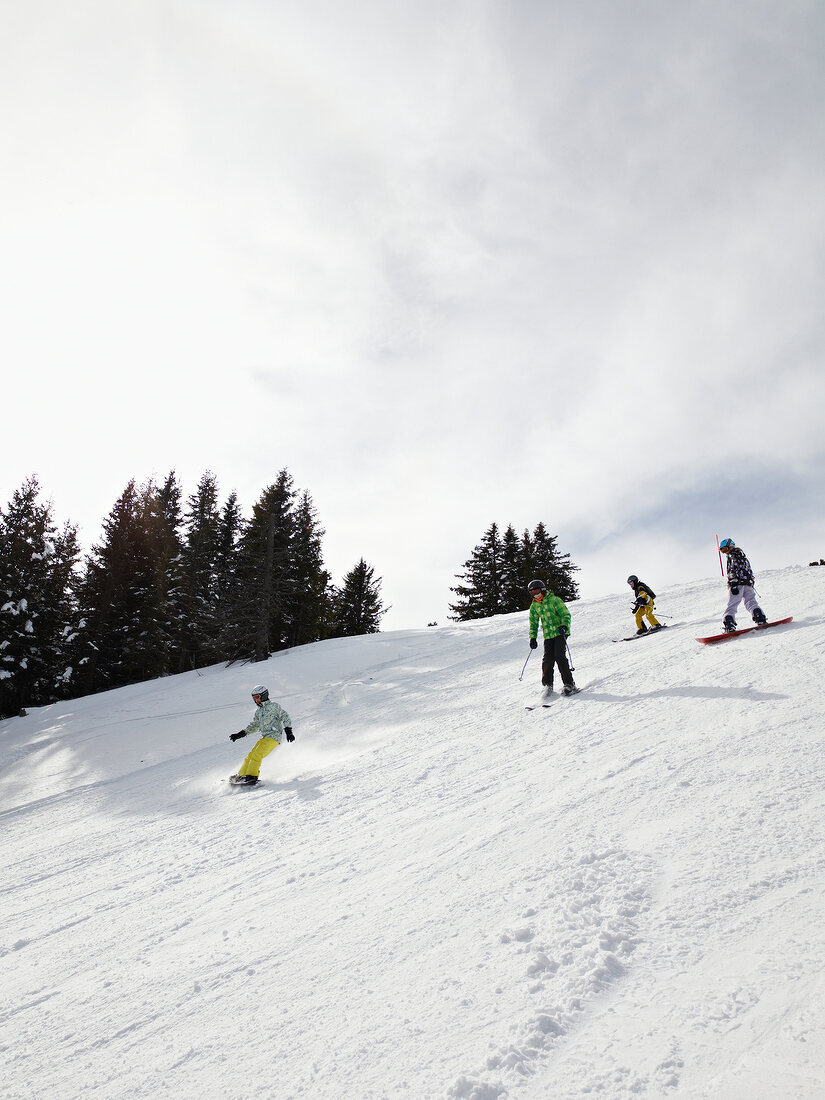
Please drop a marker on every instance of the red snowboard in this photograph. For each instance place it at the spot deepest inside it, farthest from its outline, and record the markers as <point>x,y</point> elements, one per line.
<point>735,633</point>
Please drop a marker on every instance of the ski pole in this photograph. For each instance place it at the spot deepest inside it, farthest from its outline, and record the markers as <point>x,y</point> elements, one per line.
<point>529,655</point>
<point>569,655</point>
<point>719,551</point>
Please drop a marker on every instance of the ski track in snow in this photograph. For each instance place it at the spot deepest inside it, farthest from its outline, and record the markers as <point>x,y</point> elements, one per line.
<point>433,893</point>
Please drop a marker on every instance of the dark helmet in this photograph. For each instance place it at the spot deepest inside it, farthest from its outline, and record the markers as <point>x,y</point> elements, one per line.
<point>260,694</point>
<point>727,544</point>
<point>537,586</point>
<point>633,579</point>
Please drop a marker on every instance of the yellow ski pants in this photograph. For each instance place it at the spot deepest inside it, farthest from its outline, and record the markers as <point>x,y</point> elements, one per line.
<point>647,610</point>
<point>262,748</point>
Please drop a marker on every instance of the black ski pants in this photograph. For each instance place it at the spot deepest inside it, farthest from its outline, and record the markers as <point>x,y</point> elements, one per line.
<point>555,653</point>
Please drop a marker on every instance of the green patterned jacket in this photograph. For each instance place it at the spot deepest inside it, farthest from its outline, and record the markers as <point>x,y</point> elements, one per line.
<point>552,613</point>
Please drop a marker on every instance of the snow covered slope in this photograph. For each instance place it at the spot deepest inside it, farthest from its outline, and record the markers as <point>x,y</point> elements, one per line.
<point>434,893</point>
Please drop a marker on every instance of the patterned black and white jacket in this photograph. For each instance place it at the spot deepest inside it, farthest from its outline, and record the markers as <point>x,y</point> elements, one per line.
<point>739,568</point>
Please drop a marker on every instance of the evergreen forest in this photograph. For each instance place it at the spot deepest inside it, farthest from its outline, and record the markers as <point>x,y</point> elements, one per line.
<point>173,584</point>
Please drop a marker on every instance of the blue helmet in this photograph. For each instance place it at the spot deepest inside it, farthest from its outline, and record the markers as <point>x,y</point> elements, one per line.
<point>727,544</point>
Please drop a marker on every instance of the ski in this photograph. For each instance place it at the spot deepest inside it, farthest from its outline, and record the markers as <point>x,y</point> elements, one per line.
<point>544,706</point>
<point>547,702</point>
<point>650,630</point>
<point>714,638</point>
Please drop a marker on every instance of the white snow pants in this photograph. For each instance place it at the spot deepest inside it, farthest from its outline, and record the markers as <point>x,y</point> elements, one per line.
<point>745,593</point>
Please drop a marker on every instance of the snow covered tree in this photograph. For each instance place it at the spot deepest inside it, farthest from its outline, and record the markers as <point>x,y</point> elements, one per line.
<point>62,612</point>
<point>37,602</point>
<point>357,604</point>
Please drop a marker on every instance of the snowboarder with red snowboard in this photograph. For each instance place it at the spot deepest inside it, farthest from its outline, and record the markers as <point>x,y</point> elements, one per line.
<point>740,585</point>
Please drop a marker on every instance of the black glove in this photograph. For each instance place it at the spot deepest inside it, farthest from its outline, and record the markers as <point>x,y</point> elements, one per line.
<point>290,736</point>
<point>562,632</point>
<point>533,643</point>
<point>235,736</point>
<point>735,589</point>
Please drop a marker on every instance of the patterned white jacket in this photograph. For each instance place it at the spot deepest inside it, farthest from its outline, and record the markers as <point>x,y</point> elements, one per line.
<point>270,721</point>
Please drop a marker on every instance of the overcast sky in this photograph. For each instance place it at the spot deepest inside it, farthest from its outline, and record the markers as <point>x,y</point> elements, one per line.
<point>448,262</point>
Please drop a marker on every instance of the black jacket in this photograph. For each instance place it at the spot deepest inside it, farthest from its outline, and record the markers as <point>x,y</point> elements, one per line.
<point>644,589</point>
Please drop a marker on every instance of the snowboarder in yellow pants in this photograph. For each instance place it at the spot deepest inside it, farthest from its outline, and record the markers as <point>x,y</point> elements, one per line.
<point>272,722</point>
<point>261,748</point>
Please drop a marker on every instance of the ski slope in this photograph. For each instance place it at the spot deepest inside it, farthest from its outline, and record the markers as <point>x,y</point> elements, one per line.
<point>434,893</point>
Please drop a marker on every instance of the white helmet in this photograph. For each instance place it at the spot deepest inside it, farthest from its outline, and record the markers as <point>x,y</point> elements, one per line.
<point>260,694</point>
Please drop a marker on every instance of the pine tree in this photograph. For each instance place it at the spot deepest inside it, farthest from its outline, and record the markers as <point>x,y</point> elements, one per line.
<point>555,569</point>
<point>307,606</point>
<point>227,582</point>
<point>230,526</point>
<point>201,560</point>
<point>257,619</point>
<point>127,636</point>
<point>358,607</point>
<point>168,501</point>
<point>514,595</point>
<point>167,623</point>
<point>480,594</point>
<point>37,608</point>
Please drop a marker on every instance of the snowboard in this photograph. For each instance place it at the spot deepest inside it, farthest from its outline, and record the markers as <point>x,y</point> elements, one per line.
<point>650,630</point>
<point>240,781</point>
<point>714,638</point>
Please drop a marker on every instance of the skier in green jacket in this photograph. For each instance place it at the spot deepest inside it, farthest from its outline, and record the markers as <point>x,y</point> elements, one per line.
<point>554,617</point>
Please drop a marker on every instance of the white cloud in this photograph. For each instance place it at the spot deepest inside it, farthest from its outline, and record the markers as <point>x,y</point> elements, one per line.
<point>448,264</point>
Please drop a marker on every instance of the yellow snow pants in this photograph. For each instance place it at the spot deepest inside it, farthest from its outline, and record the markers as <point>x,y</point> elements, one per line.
<point>262,748</point>
<point>647,610</point>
